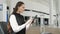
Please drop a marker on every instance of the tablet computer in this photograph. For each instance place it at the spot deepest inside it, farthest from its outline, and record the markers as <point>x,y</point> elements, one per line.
<point>34,18</point>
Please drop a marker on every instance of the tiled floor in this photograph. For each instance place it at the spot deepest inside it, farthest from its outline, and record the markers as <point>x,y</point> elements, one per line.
<point>36,30</point>
<point>33,30</point>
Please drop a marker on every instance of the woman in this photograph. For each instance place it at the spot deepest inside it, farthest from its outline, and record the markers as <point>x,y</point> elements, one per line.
<point>17,21</point>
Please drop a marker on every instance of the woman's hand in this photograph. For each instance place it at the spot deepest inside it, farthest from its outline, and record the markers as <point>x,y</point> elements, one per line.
<point>31,19</point>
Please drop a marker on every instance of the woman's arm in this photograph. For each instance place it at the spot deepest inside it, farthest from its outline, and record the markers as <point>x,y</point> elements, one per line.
<point>28,25</point>
<point>15,26</point>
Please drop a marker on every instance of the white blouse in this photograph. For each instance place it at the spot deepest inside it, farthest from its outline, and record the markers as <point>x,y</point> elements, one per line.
<point>16,27</point>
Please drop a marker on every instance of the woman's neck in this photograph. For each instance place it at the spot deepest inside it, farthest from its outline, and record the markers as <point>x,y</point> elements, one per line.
<point>18,12</point>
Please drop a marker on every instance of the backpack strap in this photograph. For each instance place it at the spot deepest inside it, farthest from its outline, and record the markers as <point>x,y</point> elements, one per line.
<point>9,26</point>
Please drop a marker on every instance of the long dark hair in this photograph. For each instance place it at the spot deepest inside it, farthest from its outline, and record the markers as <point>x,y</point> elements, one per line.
<point>17,5</point>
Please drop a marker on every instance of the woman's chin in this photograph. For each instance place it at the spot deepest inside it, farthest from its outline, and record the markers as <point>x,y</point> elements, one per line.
<point>21,12</point>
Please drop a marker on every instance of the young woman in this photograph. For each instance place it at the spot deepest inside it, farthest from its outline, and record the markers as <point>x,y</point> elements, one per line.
<point>17,21</point>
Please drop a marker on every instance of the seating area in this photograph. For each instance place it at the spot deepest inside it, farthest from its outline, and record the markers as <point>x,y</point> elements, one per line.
<point>3,28</point>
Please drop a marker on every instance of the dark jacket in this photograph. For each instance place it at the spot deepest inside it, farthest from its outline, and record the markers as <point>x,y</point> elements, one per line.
<point>20,21</point>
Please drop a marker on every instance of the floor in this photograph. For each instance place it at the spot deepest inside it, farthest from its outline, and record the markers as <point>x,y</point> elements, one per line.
<point>36,30</point>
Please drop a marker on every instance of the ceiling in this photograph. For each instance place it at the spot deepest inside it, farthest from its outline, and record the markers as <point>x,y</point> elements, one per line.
<point>40,0</point>
<point>45,2</point>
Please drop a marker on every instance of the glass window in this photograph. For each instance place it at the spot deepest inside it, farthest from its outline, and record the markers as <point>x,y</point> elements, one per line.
<point>46,21</point>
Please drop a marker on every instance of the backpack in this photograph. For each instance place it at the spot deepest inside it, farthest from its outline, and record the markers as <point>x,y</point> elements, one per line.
<point>9,28</point>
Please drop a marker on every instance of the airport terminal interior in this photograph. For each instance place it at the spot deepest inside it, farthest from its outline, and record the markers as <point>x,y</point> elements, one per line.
<point>47,11</point>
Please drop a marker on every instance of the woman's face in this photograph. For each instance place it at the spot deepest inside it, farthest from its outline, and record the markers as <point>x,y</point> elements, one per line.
<point>21,8</point>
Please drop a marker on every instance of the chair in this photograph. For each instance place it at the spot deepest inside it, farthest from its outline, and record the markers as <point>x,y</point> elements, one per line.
<point>4,27</point>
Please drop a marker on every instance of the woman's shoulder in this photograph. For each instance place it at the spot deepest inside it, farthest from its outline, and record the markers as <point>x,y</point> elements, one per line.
<point>12,15</point>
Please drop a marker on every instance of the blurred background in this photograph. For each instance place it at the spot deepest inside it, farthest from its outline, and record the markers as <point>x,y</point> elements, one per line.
<point>47,11</point>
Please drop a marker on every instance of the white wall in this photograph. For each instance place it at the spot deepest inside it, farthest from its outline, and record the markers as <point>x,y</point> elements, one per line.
<point>1,1</point>
<point>58,8</point>
<point>3,12</point>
